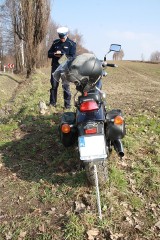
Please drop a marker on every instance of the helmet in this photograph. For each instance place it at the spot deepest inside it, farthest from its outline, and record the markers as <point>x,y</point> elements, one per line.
<point>62,32</point>
<point>85,70</point>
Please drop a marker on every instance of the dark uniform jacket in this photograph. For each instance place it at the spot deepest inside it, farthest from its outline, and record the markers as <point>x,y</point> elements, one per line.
<point>68,48</point>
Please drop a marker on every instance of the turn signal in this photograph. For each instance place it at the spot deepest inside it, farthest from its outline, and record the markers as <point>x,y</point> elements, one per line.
<point>65,128</point>
<point>118,120</point>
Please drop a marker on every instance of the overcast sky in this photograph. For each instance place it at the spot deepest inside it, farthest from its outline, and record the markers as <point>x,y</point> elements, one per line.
<point>135,24</point>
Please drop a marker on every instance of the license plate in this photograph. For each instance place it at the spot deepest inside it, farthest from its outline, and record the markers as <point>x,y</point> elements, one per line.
<point>92,147</point>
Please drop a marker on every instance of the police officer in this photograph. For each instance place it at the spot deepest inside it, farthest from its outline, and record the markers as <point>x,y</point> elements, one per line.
<point>61,46</point>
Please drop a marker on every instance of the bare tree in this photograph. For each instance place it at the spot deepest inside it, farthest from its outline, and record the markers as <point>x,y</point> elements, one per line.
<point>6,31</point>
<point>28,32</point>
<point>142,57</point>
<point>1,54</point>
<point>31,25</point>
<point>1,49</point>
<point>78,38</point>
<point>118,55</point>
<point>26,22</point>
<point>51,33</point>
<point>155,56</point>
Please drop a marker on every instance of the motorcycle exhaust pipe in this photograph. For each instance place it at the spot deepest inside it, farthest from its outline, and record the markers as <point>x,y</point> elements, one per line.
<point>118,147</point>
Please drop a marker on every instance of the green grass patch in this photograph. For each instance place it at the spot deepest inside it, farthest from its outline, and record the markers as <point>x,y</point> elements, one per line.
<point>118,179</point>
<point>74,229</point>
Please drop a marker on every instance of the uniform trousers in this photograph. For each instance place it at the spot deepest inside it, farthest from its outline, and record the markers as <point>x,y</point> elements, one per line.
<point>54,90</point>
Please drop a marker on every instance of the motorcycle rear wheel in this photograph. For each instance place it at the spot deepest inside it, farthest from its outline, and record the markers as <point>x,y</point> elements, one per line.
<point>102,171</point>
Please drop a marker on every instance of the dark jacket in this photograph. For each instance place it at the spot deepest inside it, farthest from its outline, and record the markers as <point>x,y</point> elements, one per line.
<point>68,48</point>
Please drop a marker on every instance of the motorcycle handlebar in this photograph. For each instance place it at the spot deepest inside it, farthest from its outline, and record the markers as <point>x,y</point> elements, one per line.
<point>105,64</point>
<point>111,65</point>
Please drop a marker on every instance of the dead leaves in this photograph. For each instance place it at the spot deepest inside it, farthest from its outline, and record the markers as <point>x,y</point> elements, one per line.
<point>92,233</point>
<point>9,235</point>
<point>42,228</point>
<point>116,236</point>
<point>79,207</point>
<point>22,235</point>
<point>1,165</point>
<point>157,225</point>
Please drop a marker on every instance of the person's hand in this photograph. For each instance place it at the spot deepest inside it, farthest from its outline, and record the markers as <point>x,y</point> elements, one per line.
<point>58,53</point>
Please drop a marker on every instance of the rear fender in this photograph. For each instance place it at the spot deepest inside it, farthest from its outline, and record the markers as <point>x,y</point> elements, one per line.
<point>96,115</point>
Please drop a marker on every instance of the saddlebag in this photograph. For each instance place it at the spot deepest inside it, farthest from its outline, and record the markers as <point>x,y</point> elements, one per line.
<point>69,138</point>
<point>114,131</point>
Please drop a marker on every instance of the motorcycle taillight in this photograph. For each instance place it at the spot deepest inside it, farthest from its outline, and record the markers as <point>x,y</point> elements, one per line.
<point>90,130</point>
<point>88,106</point>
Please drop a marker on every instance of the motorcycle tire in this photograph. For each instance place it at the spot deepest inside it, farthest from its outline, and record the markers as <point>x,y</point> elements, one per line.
<point>102,171</point>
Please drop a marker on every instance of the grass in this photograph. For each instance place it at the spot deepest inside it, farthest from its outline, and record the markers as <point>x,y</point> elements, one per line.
<point>74,230</point>
<point>117,178</point>
<point>41,180</point>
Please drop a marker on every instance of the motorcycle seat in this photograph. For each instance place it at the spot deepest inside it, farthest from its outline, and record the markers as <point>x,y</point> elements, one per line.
<point>90,97</point>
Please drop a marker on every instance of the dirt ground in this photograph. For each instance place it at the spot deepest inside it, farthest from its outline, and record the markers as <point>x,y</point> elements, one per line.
<point>133,88</point>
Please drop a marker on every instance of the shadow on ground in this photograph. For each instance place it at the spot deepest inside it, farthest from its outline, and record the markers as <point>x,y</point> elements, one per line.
<point>36,152</point>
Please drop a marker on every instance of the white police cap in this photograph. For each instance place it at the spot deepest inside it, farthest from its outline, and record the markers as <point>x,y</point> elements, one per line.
<point>62,30</point>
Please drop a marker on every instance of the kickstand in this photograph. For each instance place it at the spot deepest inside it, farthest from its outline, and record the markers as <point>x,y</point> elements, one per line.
<point>97,192</point>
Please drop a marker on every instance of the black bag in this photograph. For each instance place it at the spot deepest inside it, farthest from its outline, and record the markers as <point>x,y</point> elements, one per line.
<point>68,139</point>
<point>114,131</point>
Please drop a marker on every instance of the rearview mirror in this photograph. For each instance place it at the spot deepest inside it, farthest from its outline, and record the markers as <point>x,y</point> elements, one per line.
<point>115,47</point>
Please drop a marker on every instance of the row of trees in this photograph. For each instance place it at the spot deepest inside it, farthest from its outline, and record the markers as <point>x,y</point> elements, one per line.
<point>27,32</point>
<point>24,28</point>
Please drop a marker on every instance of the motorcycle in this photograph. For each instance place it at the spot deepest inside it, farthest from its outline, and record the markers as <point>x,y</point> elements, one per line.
<point>92,127</point>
